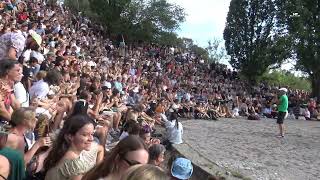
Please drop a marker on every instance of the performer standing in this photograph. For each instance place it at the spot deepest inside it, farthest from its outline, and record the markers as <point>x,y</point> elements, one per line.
<point>282,110</point>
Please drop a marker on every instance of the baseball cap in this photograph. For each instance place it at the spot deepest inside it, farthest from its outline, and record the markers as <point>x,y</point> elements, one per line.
<point>283,89</point>
<point>37,38</point>
<point>106,85</point>
<point>51,53</point>
<point>182,168</point>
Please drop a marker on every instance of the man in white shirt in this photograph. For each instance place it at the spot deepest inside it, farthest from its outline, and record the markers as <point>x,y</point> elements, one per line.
<point>40,90</point>
<point>21,94</point>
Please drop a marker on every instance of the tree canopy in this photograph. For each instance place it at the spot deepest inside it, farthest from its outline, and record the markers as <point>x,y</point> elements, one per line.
<point>286,78</point>
<point>147,20</point>
<point>302,20</point>
<point>252,39</point>
<point>215,50</point>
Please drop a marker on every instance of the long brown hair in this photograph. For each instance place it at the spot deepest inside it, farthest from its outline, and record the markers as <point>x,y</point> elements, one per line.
<point>62,144</point>
<point>3,140</point>
<point>111,163</point>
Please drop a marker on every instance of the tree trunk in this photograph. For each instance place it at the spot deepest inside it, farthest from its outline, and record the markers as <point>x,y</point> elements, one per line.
<point>252,81</point>
<point>315,83</point>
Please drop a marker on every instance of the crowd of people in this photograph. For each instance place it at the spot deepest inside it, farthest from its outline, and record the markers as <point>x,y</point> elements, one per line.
<point>67,92</point>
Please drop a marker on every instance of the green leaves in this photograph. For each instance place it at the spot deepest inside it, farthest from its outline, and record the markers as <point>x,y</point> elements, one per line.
<point>216,52</point>
<point>302,20</point>
<point>260,34</point>
<point>146,20</point>
<point>252,37</point>
<point>285,78</point>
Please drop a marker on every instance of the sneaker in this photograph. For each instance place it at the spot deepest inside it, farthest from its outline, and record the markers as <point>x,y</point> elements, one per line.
<point>280,136</point>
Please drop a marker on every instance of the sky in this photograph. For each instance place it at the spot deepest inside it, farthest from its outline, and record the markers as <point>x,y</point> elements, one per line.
<point>205,19</point>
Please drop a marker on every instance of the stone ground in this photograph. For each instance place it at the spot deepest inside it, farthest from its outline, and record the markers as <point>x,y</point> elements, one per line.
<point>250,149</point>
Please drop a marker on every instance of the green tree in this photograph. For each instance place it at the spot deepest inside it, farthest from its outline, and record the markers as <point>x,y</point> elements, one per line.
<point>286,78</point>
<point>169,38</point>
<point>109,12</point>
<point>252,39</point>
<point>302,20</point>
<point>215,50</point>
<point>199,51</point>
<point>146,20</point>
<point>188,43</point>
<point>78,5</point>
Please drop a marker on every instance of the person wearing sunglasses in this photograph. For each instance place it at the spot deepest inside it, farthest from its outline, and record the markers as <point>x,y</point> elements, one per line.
<point>129,152</point>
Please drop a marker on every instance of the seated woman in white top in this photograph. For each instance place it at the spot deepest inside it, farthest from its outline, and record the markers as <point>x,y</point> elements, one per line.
<point>174,129</point>
<point>41,88</point>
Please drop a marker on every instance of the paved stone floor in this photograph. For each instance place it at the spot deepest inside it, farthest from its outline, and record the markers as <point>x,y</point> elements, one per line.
<point>252,149</point>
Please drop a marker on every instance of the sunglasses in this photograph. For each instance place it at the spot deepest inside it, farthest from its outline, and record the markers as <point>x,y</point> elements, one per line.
<point>131,163</point>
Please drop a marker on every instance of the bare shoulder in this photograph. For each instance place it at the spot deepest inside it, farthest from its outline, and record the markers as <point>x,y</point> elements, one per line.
<point>4,166</point>
<point>100,148</point>
<point>13,141</point>
<point>70,155</point>
<point>4,162</point>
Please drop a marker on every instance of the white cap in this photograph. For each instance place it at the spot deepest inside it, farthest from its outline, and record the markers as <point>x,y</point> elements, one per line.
<point>91,63</point>
<point>175,106</point>
<point>284,90</point>
<point>136,89</point>
<point>38,56</point>
<point>107,84</point>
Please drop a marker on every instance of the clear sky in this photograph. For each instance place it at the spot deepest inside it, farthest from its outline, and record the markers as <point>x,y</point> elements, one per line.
<point>205,19</point>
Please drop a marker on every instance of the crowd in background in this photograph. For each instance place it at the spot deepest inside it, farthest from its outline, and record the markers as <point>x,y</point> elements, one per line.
<point>67,92</point>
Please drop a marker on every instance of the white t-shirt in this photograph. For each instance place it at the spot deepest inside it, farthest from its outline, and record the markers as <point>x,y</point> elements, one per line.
<point>174,134</point>
<point>188,96</point>
<point>21,94</point>
<point>38,56</point>
<point>123,135</point>
<point>40,90</point>
<point>235,111</point>
<point>307,113</point>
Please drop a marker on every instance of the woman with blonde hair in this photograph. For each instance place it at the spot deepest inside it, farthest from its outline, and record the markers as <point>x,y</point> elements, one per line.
<point>145,172</point>
<point>24,120</point>
<point>41,75</point>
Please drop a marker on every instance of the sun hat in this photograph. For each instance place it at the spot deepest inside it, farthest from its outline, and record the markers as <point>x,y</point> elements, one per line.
<point>37,38</point>
<point>283,89</point>
<point>182,168</point>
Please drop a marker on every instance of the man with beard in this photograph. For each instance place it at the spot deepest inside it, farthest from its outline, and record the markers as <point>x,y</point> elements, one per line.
<point>12,44</point>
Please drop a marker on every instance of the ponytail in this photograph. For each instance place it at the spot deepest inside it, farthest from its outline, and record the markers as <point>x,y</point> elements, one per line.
<point>174,116</point>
